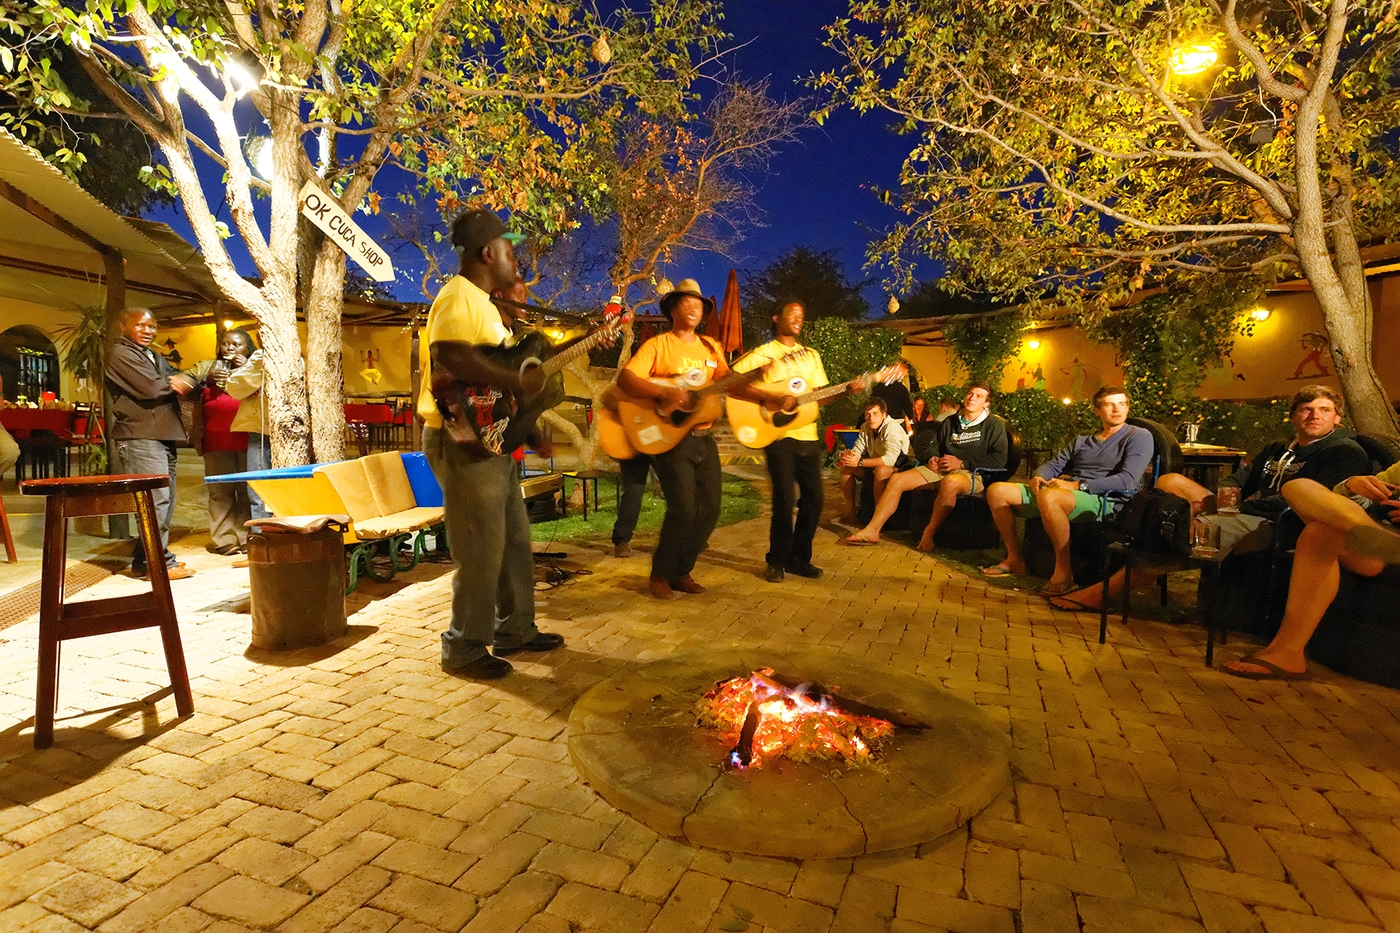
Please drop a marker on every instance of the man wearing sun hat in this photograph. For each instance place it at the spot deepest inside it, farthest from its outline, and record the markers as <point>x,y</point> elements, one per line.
<point>488,531</point>
<point>666,370</point>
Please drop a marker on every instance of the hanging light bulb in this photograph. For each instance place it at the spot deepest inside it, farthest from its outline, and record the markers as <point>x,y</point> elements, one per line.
<point>893,305</point>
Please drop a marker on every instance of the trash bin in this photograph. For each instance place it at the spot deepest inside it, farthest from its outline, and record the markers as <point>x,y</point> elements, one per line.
<point>297,584</point>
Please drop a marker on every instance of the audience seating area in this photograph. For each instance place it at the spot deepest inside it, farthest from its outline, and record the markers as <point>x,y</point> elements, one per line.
<point>392,499</point>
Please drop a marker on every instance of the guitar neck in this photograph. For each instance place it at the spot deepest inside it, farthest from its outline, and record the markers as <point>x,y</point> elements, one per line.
<point>578,348</point>
<point>732,381</point>
<point>816,395</point>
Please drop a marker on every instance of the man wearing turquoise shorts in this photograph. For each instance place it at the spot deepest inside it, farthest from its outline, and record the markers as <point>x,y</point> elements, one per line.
<point>1070,485</point>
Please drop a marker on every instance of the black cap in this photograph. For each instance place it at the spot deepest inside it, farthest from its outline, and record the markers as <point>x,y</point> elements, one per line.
<point>474,229</point>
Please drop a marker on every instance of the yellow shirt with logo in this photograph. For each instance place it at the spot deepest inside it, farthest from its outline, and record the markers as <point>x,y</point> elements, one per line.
<point>690,364</point>
<point>464,313</point>
<point>792,377</point>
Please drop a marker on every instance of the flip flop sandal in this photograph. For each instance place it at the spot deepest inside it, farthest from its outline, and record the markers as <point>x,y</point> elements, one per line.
<point>1057,589</point>
<point>1074,605</point>
<point>861,542</point>
<point>1273,672</point>
<point>997,570</point>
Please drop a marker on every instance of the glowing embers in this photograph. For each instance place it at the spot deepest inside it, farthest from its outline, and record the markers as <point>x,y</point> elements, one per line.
<point>767,719</point>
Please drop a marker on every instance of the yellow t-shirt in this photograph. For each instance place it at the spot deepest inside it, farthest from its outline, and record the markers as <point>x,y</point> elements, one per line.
<point>690,364</point>
<point>796,377</point>
<point>460,312</point>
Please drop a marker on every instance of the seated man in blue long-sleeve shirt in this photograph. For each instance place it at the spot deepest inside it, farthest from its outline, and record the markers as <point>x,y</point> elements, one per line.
<point>1069,485</point>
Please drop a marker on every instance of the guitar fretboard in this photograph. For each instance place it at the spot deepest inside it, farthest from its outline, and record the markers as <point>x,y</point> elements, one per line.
<point>564,357</point>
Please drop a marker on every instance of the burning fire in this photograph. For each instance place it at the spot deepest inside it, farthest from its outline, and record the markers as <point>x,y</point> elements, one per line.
<point>767,720</point>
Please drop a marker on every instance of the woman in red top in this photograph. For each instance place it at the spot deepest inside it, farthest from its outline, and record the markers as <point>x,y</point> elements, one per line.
<point>226,451</point>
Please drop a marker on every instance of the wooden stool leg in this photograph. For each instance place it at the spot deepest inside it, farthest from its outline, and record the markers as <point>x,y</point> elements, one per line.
<point>50,618</point>
<point>165,604</point>
<point>9,539</point>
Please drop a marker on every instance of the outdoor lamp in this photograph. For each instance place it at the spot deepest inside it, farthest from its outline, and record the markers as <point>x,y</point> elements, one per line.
<point>1067,400</point>
<point>1033,344</point>
<point>243,71</point>
<point>1260,314</point>
<point>1193,59</point>
<point>258,150</point>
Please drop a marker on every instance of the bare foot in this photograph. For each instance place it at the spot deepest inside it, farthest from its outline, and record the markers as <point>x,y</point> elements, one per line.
<point>925,545</point>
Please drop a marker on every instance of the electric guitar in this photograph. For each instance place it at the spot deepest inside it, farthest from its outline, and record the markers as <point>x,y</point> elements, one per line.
<point>654,429</point>
<point>487,420</point>
<point>755,427</point>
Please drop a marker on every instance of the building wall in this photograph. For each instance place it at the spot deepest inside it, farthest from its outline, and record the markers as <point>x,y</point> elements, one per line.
<point>51,321</point>
<point>390,346</point>
<point>1283,353</point>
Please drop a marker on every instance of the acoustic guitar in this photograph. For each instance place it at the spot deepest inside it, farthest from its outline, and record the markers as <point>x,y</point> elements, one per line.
<point>756,427</point>
<point>612,436</point>
<point>652,429</point>
<point>488,421</point>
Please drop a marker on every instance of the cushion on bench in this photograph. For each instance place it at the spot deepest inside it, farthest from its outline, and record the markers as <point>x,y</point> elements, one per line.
<point>388,482</point>
<point>378,496</point>
<point>398,523</point>
<point>350,482</point>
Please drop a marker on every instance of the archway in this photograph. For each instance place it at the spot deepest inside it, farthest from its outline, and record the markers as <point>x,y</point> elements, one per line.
<point>28,363</point>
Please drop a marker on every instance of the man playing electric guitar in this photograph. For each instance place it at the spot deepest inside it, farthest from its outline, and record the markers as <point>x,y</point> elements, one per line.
<point>796,457</point>
<point>689,472</point>
<point>488,532</point>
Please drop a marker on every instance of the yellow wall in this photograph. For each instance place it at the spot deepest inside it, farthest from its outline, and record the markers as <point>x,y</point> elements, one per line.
<point>390,346</point>
<point>1070,365</point>
<point>1276,359</point>
<point>50,321</point>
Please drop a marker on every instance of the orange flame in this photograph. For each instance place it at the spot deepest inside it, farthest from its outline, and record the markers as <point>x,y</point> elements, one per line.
<point>796,723</point>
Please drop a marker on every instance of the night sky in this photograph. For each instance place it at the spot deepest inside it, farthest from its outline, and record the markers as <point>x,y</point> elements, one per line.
<point>817,194</point>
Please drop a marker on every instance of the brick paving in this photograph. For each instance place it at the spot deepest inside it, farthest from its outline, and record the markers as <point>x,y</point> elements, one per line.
<point>356,788</point>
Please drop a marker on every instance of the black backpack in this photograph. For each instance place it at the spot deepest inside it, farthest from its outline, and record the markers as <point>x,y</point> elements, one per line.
<point>1157,522</point>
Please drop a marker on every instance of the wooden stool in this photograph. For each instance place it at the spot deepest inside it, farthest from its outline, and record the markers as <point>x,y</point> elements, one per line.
<point>100,495</point>
<point>584,477</point>
<point>9,539</point>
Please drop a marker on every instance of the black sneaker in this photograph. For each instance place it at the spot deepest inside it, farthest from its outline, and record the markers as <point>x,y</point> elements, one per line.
<point>805,570</point>
<point>543,641</point>
<point>774,574</point>
<point>483,668</point>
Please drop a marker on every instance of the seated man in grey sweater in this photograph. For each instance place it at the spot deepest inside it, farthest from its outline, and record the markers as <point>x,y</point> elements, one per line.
<point>1069,485</point>
<point>882,439</point>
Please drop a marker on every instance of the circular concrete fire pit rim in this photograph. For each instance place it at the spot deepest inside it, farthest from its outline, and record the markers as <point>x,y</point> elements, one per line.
<point>634,739</point>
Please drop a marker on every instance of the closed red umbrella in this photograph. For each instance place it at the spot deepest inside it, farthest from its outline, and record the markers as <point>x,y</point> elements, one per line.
<point>730,332</point>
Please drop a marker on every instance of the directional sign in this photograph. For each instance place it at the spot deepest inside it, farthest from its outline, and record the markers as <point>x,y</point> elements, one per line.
<point>322,210</point>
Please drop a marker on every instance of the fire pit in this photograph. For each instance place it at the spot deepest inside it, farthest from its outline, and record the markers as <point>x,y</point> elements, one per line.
<point>636,740</point>
<point>768,717</point>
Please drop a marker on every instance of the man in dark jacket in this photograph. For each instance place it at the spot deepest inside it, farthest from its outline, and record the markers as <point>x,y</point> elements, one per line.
<point>972,439</point>
<point>144,421</point>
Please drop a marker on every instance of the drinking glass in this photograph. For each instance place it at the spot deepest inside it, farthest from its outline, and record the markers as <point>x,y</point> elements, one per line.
<point>1227,500</point>
<point>1205,538</point>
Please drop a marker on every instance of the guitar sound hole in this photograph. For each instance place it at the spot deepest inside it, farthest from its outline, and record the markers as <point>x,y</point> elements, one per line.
<point>678,416</point>
<point>782,419</point>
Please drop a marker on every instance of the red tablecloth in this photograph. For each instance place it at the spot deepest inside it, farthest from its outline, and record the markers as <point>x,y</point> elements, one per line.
<point>21,422</point>
<point>373,413</point>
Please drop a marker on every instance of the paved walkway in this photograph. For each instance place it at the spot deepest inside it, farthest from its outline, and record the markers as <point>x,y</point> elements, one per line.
<point>356,788</point>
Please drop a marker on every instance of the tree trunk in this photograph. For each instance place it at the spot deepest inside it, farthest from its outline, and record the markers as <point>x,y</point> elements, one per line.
<point>324,353</point>
<point>1349,332</point>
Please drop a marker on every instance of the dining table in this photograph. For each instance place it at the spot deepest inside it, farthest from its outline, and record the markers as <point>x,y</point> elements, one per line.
<point>43,435</point>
